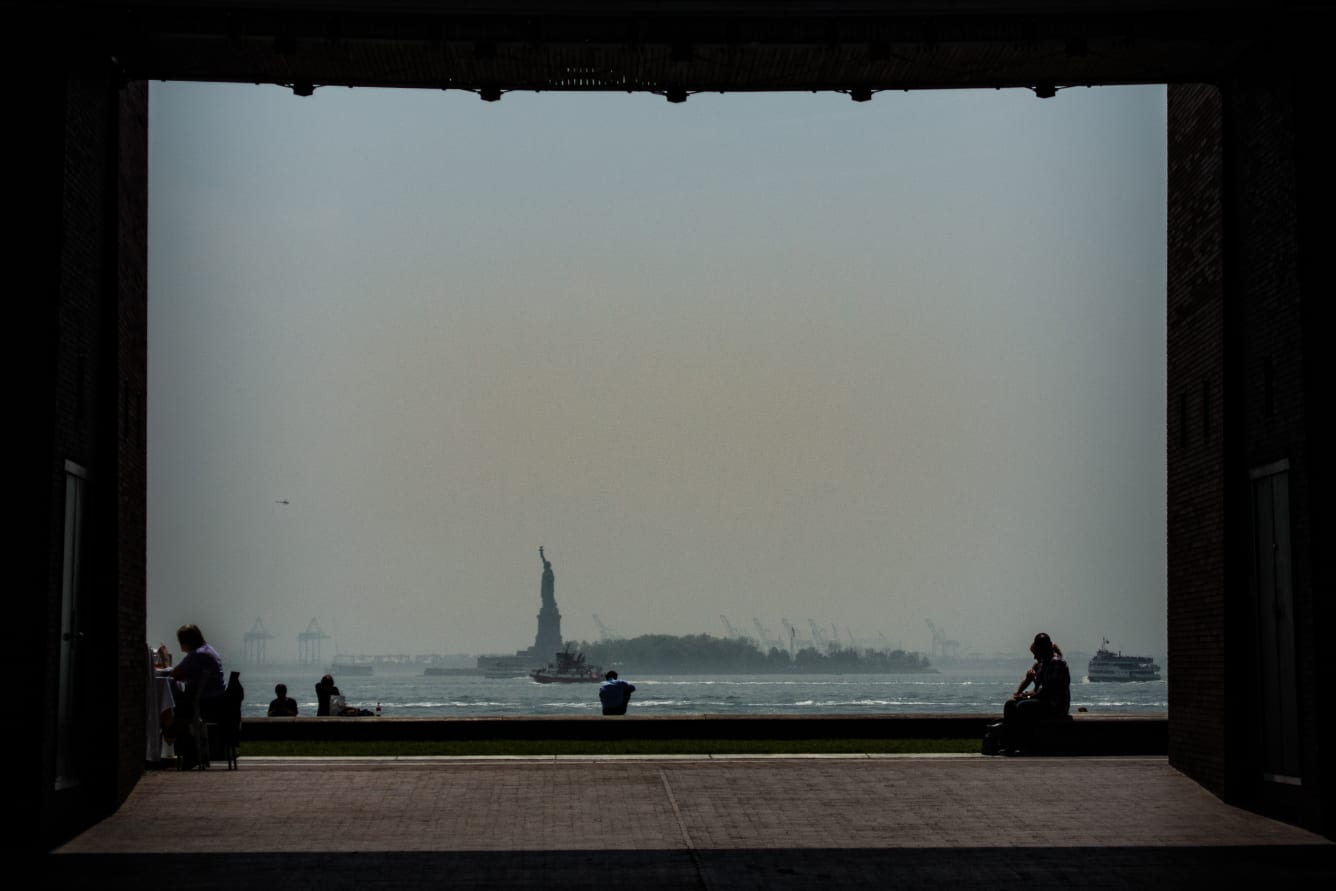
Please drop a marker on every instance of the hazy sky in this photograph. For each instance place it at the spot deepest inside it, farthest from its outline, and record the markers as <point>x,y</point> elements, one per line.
<point>780,355</point>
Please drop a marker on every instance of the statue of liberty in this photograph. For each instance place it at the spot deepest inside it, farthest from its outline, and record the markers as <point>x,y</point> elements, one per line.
<point>548,640</point>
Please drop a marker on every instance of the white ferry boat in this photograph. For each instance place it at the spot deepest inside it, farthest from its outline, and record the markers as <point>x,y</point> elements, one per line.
<point>1107,665</point>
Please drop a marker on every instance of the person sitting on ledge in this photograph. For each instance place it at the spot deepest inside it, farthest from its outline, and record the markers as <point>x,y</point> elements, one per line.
<point>614,693</point>
<point>283,706</point>
<point>1050,698</point>
<point>323,691</point>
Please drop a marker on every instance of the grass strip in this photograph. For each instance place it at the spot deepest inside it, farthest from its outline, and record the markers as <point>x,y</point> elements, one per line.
<point>392,749</point>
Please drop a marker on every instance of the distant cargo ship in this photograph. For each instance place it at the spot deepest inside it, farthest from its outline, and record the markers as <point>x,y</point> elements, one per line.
<point>1107,665</point>
<point>346,665</point>
<point>501,667</point>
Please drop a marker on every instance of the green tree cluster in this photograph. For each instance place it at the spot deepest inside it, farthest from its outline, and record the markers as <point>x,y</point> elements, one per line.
<point>704,654</point>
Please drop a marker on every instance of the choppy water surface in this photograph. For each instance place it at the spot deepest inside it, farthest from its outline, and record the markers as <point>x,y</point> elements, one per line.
<point>406,692</point>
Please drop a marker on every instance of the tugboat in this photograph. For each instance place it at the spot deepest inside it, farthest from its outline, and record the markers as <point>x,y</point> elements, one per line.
<point>570,668</point>
<point>1107,665</point>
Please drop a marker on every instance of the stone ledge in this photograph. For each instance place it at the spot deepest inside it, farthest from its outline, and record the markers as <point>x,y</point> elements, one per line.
<point>1084,734</point>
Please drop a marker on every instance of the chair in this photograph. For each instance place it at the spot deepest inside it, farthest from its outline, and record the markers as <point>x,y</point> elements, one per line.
<point>229,720</point>
<point>197,731</point>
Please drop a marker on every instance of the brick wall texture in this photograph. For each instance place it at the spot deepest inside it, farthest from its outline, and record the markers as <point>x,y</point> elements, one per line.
<point>1196,458</point>
<point>85,188</point>
<point>1249,381</point>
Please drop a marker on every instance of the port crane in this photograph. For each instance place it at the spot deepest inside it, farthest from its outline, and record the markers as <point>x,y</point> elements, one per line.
<point>308,643</point>
<point>733,632</point>
<point>767,639</point>
<point>253,644</point>
<point>818,635</point>
<point>941,647</point>
<point>604,632</point>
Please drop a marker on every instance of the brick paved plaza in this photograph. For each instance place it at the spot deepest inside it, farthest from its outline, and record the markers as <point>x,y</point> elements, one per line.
<point>695,822</point>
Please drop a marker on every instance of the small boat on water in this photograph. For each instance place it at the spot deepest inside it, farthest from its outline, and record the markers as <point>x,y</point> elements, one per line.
<point>570,668</point>
<point>1107,665</point>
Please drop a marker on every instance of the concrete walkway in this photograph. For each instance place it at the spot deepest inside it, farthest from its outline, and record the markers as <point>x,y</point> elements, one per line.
<point>655,822</point>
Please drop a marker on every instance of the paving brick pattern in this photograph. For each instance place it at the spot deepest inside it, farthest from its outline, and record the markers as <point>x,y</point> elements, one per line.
<point>685,822</point>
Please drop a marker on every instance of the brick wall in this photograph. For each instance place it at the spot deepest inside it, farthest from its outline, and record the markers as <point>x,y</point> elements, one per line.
<point>82,191</point>
<point>1195,441</point>
<point>1270,402</point>
<point>1249,326</point>
<point>130,281</point>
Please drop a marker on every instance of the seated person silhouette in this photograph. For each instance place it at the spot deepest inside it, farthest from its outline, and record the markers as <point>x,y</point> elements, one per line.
<point>323,691</point>
<point>283,705</point>
<point>201,671</point>
<point>1050,698</point>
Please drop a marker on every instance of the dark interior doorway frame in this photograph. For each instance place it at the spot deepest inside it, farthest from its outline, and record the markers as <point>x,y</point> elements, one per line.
<point>1249,358</point>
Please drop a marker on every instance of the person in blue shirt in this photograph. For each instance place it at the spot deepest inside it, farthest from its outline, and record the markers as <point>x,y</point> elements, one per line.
<point>614,693</point>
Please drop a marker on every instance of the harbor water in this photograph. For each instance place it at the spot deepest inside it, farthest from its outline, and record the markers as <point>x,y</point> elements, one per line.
<point>405,691</point>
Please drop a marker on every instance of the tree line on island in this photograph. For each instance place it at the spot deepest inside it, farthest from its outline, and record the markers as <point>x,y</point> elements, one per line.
<point>703,653</point>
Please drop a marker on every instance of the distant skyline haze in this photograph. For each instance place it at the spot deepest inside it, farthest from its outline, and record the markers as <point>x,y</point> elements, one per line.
<point>776,355</point>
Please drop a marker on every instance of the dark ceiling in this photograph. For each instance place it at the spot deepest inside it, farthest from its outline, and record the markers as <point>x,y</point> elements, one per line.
<point>676,47</point>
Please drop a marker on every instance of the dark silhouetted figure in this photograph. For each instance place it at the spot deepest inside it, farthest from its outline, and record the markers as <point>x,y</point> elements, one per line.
<point>323,691</point>
<point>229,719</point>
<point>201,671</point>
<point>283,705</point>
<point>1050,698</point>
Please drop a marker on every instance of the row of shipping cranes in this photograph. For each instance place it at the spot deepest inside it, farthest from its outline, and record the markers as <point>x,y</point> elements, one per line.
<point>255,644</point>
<point>792,640</point>
<point>942,649</point>
<point>765,638</point>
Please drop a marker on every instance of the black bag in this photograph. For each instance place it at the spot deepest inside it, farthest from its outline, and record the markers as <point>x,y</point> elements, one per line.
<point>992,739</point>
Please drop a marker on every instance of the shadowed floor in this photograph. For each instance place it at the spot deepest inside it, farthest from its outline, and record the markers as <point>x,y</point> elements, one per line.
<point>692,822</point>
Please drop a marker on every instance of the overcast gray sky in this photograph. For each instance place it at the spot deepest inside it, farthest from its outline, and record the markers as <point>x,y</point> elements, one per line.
<point>778,355</point>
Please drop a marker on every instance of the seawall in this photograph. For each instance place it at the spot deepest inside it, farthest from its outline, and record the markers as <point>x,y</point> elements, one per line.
<point>1083,734</point>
